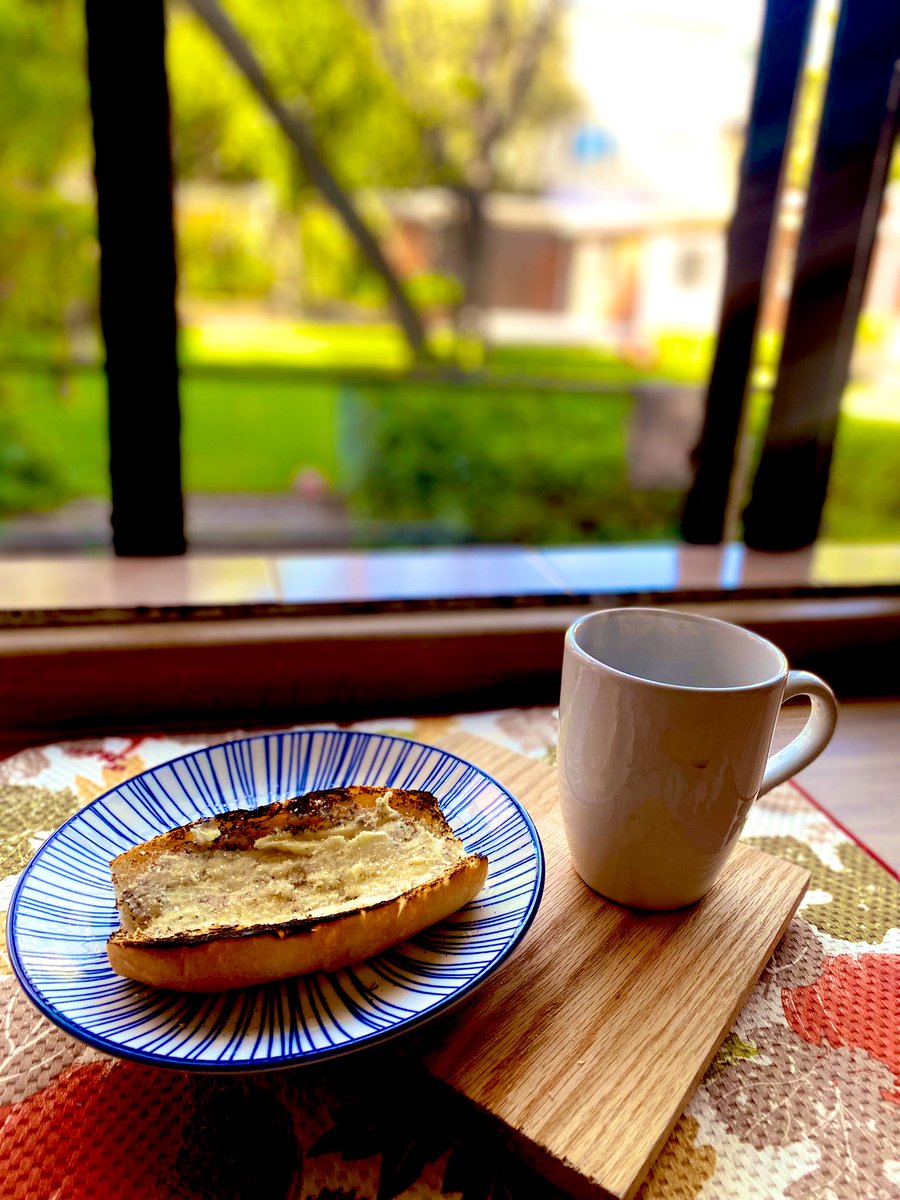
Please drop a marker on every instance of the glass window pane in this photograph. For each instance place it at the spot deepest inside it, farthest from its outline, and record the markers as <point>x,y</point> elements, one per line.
<point>558,228</point>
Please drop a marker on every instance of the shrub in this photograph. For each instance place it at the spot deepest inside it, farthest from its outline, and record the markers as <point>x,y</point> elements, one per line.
<point>48,276</point>
<point>430,291</point>
<point>334,272</point>
<point>224,249</point>
<point>495,466</point>
<point>31,478</point>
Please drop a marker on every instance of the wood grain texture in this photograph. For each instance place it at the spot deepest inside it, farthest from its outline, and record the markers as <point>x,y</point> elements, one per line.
<point>588,1043</point>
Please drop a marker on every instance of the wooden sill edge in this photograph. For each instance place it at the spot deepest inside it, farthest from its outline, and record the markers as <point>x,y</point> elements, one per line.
<point>88,680</point>
<point>845,618</point>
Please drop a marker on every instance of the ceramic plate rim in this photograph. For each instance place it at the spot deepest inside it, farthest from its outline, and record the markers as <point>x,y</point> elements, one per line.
<point>278,1061</point>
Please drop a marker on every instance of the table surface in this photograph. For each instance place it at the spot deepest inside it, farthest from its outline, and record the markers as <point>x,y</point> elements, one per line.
<point>858,777</point>
<point>803,1099</point>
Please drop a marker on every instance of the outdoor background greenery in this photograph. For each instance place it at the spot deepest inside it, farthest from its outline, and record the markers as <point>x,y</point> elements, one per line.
<point>480,461</point>
<point>315,375</point>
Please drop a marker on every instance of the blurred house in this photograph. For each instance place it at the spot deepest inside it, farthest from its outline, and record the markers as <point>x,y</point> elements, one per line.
<point>621,266</point>
<point>614,232</point>
<point>618,267</point>
<point>620,236</point>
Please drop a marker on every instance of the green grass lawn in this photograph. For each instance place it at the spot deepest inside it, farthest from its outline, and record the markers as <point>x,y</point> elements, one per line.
<point>863,503</point>
<point>282,341</point>
<point>517,463</point>
<point>239,434</point>
<point>253,435</point>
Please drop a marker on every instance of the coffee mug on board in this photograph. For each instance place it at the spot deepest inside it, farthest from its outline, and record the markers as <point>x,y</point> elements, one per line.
<point>666,723</point>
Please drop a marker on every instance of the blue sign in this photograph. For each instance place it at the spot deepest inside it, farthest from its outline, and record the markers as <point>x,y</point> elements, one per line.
<point>590,143</point>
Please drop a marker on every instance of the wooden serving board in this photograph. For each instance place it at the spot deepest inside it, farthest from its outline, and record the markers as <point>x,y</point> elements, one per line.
<point>588,1043</point>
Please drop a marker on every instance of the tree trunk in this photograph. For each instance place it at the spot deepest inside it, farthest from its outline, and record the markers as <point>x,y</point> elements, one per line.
<point>301,139</point>
<point>473,238</point>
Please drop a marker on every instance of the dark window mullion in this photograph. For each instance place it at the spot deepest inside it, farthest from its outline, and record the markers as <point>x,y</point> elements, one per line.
<point>133,170</point>
<point>846,190</point>
<point>781,53</point>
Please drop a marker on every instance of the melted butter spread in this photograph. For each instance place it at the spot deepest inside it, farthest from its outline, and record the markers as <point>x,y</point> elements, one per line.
<point>373,857</point>
<point>205,833</point>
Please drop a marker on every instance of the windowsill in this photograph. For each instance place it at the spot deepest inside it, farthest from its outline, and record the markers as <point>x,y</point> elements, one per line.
<point>106,590</point>
<point>96,646</point>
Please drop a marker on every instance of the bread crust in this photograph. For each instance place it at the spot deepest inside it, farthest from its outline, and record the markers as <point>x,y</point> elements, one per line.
<point>223,958</point>
<point>259,956</point>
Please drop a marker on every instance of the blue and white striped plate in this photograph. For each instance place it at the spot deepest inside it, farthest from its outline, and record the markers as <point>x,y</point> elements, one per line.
<point>63,909</point>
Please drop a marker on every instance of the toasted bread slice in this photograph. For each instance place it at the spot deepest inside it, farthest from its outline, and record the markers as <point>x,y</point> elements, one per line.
<point>309,884</point>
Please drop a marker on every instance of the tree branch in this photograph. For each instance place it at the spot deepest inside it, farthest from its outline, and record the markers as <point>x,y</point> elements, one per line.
<point>297,131</point>
<point>484,117</point>
<point>524,72</point>
<point>496,28</point>
<point>493,117</point>
<point>432,136</point>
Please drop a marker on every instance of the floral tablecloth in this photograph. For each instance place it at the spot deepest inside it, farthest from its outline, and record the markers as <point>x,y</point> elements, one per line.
<point>802,1100</point>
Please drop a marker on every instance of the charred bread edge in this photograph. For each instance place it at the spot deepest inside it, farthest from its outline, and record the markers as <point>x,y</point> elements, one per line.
<point>285,929</point>
<point>313,805</point>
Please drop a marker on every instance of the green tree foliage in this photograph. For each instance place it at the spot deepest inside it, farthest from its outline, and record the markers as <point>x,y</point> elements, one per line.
<point>483,81</point>
<point>48,267</point>
<point>321,60</point>
<point>309,145</point>
<point>397,94</point>
<point>43,103</point>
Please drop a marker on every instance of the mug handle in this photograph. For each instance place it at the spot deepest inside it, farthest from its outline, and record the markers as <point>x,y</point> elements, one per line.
<point>812,738</point>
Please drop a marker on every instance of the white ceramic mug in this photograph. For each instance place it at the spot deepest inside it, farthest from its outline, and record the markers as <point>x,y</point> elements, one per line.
<point>666,723</point>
